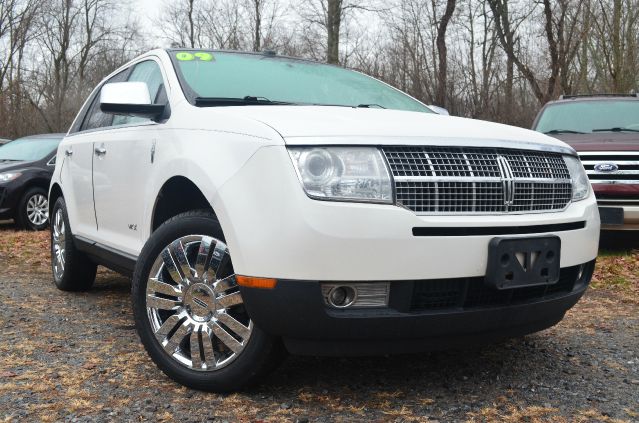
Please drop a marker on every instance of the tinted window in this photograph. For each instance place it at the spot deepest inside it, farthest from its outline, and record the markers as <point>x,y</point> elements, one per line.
<point>29,149</point>
<point>95,118</point>
<point>233,75</point>
<point>586,116</point>
<point>148,72</point>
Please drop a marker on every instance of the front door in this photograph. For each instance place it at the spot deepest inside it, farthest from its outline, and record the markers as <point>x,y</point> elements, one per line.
<point>76,178</point>
<point>122,163</point>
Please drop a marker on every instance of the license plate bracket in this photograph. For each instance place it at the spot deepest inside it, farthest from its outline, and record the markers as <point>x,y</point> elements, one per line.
<point>611,215</point>
<point>519,262</point>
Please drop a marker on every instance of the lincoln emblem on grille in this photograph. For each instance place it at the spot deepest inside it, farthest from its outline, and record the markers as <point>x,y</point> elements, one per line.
<point>507,180</point>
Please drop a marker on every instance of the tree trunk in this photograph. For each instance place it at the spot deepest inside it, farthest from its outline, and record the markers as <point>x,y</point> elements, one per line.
<point>191,24</point>
<point>510,74</point>
<point>333,22</point>
<point>258,23</point>
<point>617,53</point>
<point>442,53</point>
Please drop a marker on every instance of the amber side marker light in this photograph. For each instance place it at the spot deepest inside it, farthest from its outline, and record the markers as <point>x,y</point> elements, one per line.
<point>252,282</point>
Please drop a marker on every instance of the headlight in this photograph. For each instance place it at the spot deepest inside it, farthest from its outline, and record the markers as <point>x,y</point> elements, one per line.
<point>9,176</point>
<point>580,183</point>
<point>343,173</point>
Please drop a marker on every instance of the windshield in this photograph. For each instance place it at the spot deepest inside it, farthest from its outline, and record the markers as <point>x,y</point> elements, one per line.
<point>590,116</point>
<point>224,75</point>
<point>29,149</point>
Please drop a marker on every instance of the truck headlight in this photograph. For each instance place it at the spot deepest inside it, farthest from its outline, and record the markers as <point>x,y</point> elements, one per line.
<point>9,176</point>
<point>343,173</point>
<point>580,183</point>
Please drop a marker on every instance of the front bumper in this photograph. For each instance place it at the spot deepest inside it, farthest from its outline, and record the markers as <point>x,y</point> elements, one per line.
<point>275,231</point>
<point>417,319</point>
<point>618,205</point>
<point>8,201</point>
<point>630,218</point>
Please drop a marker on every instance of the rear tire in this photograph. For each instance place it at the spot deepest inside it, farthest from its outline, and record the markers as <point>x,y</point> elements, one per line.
<point>189,313</point>
<point>33,210</point>
<point>72,269</point>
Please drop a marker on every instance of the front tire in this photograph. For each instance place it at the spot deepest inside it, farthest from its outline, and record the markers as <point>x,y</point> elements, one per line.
<point>72,270</point>
<point>33,210</point>
<point>189,312</point>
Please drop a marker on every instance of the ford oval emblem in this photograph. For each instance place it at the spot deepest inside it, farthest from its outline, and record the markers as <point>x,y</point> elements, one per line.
<point>606,167</point>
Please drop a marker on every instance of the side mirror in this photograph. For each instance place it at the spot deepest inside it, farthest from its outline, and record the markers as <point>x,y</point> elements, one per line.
<point>129,99</point>
<point>439,110</point>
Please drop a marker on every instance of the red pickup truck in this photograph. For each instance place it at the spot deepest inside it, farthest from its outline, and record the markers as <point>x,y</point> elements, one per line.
<point>604,129</point>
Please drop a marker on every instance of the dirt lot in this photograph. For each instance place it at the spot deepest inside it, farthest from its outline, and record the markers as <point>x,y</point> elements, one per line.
<point>76,357</point>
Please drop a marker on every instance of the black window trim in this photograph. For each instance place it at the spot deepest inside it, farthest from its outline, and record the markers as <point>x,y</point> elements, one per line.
<point>95,97</point>
<point>76,129</point>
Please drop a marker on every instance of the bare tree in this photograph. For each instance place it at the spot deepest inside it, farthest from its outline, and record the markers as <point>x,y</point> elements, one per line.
<point>563,36</point>
<point>182,22</point>
<point>330,17</point>
<point>614,46</point>
<point>442,53</point>
<point>74,33</point>
<point>257,37</point>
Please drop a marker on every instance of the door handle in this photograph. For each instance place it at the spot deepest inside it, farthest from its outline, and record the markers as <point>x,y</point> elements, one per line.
<point>100,151</point>
<point>68,152</point>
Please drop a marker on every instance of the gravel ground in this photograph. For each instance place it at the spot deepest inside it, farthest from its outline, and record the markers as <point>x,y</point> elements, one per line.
<point>76,357</point>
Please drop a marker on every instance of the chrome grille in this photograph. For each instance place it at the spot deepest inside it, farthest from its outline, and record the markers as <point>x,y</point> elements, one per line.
<point>626,162</point>
<point>449,180</point>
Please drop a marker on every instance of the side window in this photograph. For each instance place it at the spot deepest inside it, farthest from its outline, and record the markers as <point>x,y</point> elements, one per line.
<point>94,117</point>
<point>149,72</point>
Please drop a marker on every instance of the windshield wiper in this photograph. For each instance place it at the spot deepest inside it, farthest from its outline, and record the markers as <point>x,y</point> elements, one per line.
<point>563,131</point>
<point>236,101</point>
<point>10,160</point>
<point>615,129</point>
<point>370,106</point>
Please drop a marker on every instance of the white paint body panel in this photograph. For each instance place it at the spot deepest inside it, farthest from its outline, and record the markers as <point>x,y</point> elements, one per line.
<point>275,230</point>
<point>237,157</point>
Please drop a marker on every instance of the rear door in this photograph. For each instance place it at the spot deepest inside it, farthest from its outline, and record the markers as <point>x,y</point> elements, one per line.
<point>122,162</point>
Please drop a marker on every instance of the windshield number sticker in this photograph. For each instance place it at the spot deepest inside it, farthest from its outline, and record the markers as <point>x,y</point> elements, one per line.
<point>185,56</point>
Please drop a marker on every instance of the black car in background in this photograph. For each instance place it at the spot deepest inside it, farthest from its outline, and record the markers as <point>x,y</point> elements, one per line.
<point>26,167</point>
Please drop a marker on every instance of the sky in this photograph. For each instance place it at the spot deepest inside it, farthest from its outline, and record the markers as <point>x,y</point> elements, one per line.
<point>147,10</point>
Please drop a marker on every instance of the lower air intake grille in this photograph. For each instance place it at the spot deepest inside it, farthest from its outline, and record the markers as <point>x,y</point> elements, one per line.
<point>470,293</point>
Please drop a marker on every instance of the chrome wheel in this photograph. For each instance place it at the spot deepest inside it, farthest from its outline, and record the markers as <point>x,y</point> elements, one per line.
<point>38,209</point>
<point>58,247</point>
<point>194,305</point>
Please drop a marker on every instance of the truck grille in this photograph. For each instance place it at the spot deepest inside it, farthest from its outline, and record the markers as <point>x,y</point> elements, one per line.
<point>618,167</point>
<point>450,180</point>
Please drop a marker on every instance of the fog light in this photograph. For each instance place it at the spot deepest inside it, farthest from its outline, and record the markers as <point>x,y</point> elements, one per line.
<point>356,295</point>
<point>342,296</point>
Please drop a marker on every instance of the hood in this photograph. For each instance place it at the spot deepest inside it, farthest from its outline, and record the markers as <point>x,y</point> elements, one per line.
<point>347,125</point>
<point>602,141</point>
<point>9,166</point>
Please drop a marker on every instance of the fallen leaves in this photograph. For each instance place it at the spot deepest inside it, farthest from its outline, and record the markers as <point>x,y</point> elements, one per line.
<point>618,274</point>
<point>77,353</point>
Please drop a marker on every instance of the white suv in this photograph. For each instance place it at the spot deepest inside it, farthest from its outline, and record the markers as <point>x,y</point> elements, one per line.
<point>265,204</point>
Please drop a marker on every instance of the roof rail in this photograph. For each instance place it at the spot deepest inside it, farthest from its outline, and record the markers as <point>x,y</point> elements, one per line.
<point>571,96</point>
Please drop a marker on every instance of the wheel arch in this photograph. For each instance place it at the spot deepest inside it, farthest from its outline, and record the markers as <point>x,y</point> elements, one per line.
<point>177,195</point>
<point>54,193</point>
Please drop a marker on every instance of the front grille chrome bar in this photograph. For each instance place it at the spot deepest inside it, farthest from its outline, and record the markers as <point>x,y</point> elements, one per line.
<point>625,167</point>
<point>465,180</point>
